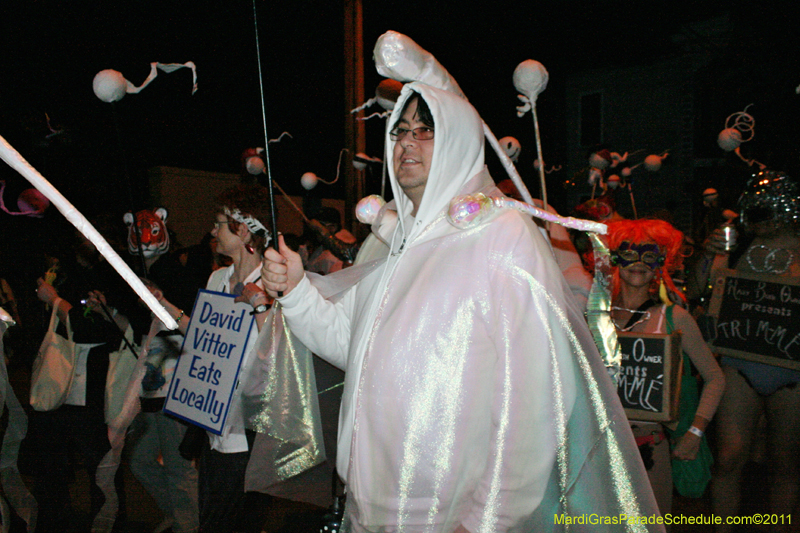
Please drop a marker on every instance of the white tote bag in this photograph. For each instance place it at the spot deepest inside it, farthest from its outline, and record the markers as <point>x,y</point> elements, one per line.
<point>54,367</point>
<point>121,365</point>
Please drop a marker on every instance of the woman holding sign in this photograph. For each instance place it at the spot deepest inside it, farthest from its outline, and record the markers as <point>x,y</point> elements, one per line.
<point>644,253</point>
<point>770,245</point>
<point>240,234</point>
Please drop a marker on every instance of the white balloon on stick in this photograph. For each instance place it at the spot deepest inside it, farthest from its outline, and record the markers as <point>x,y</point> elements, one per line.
<point>653,161</point>
<point>18,163</point>
<point>530,79</point>
<point>309,180</point>
<point>729,139</point>
<point>512,147</point>
<point>111,86</point>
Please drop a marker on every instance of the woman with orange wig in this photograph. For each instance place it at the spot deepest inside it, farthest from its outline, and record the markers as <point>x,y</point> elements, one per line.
<point>644,254</point>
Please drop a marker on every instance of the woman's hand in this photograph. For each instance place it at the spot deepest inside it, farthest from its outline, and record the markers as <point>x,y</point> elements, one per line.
<point>96,301</point>
<point>254,295</point>
<point>156,292</point>
<point>687,447</point>
<point>281,272</point>
<point>45,292</point>
<point>716,241</point>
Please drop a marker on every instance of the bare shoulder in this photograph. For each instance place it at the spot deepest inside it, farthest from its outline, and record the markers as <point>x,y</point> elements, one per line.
<point>682,319</point>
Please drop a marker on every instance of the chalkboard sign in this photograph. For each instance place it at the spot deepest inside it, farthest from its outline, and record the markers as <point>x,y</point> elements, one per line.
<point>757,318</point>
<point>649,384</point>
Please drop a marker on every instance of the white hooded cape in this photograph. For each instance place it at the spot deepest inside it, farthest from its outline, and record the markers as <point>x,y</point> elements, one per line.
<point>473,393</point>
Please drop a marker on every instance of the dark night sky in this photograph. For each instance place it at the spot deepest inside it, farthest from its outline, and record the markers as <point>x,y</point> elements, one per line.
<point>52,50</point>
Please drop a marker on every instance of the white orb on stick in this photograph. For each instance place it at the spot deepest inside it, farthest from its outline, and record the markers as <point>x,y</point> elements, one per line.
<point>729,139</point>
<point>511,147</point>
<point>309,180</point>
<point>729,215</point>
<point>600,160</point>
<point>653,162</point>
<point>254,165</point>
<point>613,181</point>
<point>109,85</point>
<point>530,79</point>
<point>710,196</point>
<point>387,93</point>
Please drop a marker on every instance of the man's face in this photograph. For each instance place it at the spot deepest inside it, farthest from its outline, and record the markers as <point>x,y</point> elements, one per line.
<point>412,157</point>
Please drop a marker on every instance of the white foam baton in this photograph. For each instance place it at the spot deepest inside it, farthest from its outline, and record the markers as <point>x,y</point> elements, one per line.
<point>473,209</point>
<point>18,163</point>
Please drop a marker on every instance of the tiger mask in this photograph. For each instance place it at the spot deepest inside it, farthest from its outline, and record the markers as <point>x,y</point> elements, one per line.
<point>152,229</point>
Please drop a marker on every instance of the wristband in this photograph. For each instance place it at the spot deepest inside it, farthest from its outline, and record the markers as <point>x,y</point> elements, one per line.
<point>256,297</point>
<point>695,431</point>
<point>180,315</point>
<point>259,309</point>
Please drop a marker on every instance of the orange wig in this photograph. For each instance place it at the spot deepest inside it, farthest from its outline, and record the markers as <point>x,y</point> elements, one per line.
<point>663,234</point>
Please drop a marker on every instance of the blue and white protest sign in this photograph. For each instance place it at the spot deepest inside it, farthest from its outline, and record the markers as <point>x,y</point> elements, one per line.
<point>208,369</point>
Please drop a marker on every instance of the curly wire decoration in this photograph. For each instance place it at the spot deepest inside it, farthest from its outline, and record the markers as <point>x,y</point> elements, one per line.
<point>281,136</point>
<point>750,162</point>
<point>338,168</point>
<point>365,105</point>
<point>743,122</point>
<point>375,114</point>
<point>554,168</point>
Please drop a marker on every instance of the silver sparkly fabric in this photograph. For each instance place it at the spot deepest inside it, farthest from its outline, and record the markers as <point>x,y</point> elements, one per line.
<point>775,191</point>
<point>279,401</point>
<point>598,310</point>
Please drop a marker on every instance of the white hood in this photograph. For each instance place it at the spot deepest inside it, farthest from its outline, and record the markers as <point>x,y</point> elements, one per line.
<point>458,153</point>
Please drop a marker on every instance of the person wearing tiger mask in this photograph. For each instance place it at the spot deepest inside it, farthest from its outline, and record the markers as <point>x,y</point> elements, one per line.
<point>154,438</point>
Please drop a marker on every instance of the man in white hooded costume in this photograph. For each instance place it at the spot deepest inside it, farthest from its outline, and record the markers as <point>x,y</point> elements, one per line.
<point>474,397</point>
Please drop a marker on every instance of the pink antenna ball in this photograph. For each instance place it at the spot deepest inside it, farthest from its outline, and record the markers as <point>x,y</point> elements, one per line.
<point>626,172</point>
<point>109,85</point>
<point>309,180</point>
<point>33,202</point>
<point>729,139</point>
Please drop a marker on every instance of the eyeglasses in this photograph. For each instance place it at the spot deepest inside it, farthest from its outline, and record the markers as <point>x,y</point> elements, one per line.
<point>217,224</point>
<point>423,133</point>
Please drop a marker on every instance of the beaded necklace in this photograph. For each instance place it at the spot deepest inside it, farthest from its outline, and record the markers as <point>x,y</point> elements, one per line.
<point>768,264</point>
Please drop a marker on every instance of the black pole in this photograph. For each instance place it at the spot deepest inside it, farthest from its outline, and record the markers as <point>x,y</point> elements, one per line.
<point>266,137</point>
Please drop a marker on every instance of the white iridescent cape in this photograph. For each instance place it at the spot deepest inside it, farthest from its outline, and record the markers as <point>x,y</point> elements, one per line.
<point>474,393</point>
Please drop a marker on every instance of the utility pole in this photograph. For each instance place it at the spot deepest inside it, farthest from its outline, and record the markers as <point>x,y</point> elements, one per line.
<point>354,97</point>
